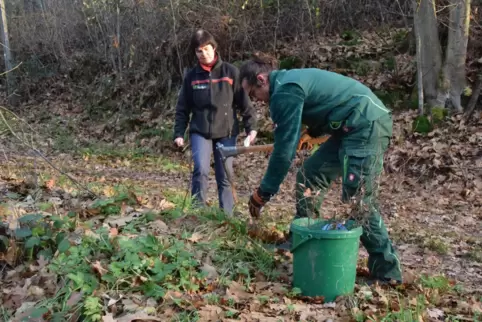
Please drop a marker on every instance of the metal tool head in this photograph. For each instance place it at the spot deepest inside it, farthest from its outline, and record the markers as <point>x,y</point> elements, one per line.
<point>226,151</point>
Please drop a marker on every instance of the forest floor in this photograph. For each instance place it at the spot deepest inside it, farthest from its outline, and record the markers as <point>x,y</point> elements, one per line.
<point>121,241</point>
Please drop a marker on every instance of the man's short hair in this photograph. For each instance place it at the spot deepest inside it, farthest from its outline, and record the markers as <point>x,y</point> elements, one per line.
<point>259,63</point>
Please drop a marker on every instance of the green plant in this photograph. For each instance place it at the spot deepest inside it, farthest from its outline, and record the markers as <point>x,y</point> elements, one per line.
<point>438,114</point>
<point>92,309</point>
<point>42,236</point>
<point>422,124</point>
<point>439,282</point>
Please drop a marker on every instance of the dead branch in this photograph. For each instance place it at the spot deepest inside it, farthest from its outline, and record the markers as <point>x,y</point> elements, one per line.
<point>30,146</point>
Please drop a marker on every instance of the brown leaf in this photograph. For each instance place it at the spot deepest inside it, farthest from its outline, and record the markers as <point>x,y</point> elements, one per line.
<point>258,316</point>
<point>12,252</point>
<point>159,226</point>
<point>210,271</point>
<point>74,299</point>
<point>195,237</point>
<point>210,313</point>
<point>120,221</point>
<point>98,269</point>
<point>35,292</point>
<point>237,292</point>
<point>409,277</point>
<point>42,262</point>
<point>108,318</point>
<point>113,232</point>
<point>138,317</point>
<point>166,205</point>
<point>435,313</point>
<point>23,313</point>
<point>50,184</point>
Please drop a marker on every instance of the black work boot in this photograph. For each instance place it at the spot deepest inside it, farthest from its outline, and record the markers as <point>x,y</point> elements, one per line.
<point>383,281</point>
<point>286,245</point>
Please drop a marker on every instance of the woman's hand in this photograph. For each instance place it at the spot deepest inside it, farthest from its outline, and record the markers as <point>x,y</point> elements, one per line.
<point>252,136</point>
<point>179,142</point>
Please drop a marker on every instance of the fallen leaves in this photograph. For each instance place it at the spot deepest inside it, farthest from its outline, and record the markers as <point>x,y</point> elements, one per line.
<point>210,313</point>
<point>416,211</point>
<point>238,292</point>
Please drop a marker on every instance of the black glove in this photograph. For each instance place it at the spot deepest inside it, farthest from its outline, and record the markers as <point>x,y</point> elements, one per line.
<point>257,201</point>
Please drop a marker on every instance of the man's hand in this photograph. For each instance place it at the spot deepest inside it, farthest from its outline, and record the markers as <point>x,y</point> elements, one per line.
<point>179,142</point>
<point>256,203</point>
<point>304,141</point>
<point>307,141</point>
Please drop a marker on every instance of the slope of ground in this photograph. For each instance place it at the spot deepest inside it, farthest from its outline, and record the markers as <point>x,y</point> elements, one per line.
<point>120,241</point>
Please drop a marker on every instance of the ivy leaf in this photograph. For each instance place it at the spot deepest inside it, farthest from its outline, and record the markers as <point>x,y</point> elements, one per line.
<point>30,218</point>
<point>23,232</point>
<point>4,240</point>
<point>32,242</point>
<point>64,245</point>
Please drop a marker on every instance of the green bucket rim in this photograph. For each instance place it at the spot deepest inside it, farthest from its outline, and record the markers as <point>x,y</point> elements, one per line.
<point>354,232</point>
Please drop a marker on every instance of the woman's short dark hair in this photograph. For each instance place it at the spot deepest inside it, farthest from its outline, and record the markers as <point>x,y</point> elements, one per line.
<point>202,38</point>
<point>258,63</point>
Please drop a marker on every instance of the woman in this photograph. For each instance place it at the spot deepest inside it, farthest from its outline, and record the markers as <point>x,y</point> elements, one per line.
<point>212,94</point>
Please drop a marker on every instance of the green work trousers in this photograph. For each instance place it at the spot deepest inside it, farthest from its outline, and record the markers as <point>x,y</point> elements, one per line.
<point>356,155</point>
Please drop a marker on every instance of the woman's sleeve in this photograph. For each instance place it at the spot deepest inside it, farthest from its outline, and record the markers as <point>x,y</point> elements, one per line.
<point>183,109</point>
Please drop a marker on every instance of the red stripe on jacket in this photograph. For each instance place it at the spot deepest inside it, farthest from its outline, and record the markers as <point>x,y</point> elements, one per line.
<point>222,79</point>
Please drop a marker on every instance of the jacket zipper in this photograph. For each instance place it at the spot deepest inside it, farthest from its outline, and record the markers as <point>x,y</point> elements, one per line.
<point>211,101</point>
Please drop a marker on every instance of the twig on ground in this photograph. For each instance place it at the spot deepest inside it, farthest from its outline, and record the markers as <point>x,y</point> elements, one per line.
<point>30,146</point>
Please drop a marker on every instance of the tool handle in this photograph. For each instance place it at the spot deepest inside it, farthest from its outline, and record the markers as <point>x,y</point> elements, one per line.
<point>255,148</point>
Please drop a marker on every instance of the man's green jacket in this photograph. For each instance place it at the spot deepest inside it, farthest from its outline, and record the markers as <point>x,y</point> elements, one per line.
<point>326,102</point>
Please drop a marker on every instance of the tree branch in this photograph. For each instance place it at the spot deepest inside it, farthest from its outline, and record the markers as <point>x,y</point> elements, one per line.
<point>40,153</point>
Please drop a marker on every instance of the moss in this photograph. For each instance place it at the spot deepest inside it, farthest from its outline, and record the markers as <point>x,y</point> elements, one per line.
<point>422,124</point>
<point>413,102</point>
<point>269,136</point>
<point>390,63</point>
<point>291,62</point>
<point>391,99</point>
<point>438,114</point>
<point>400,36</point>
<point>350,37</point>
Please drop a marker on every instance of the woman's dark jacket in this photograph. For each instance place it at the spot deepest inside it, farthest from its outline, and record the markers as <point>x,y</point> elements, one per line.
<point>213,99</point>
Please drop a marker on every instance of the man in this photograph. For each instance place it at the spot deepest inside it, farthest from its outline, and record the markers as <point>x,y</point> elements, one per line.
<point>360,127</point>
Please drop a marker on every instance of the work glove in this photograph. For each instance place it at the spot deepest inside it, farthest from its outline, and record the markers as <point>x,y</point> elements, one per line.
<point>308,140</point>
<point>305,141</point>
<point>257,201</point>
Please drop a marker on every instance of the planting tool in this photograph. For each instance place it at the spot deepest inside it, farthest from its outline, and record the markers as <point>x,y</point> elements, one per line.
<point>306,143</point>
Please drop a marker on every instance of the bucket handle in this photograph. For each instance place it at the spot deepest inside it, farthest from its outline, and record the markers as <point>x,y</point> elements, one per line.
<point>304,240</point>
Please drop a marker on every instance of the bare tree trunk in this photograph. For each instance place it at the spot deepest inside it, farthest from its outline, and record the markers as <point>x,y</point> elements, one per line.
<point>418,47</point>
<point>118,35</point>
<point>454,67</point>
<point>474,98</point>
<point>433,79</point>
<point>11,83</point>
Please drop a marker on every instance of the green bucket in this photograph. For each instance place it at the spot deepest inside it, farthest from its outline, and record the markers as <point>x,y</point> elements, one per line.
<point>324,261</point>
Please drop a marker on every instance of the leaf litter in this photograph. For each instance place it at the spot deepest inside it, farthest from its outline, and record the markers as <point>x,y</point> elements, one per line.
<point>154,262</point>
